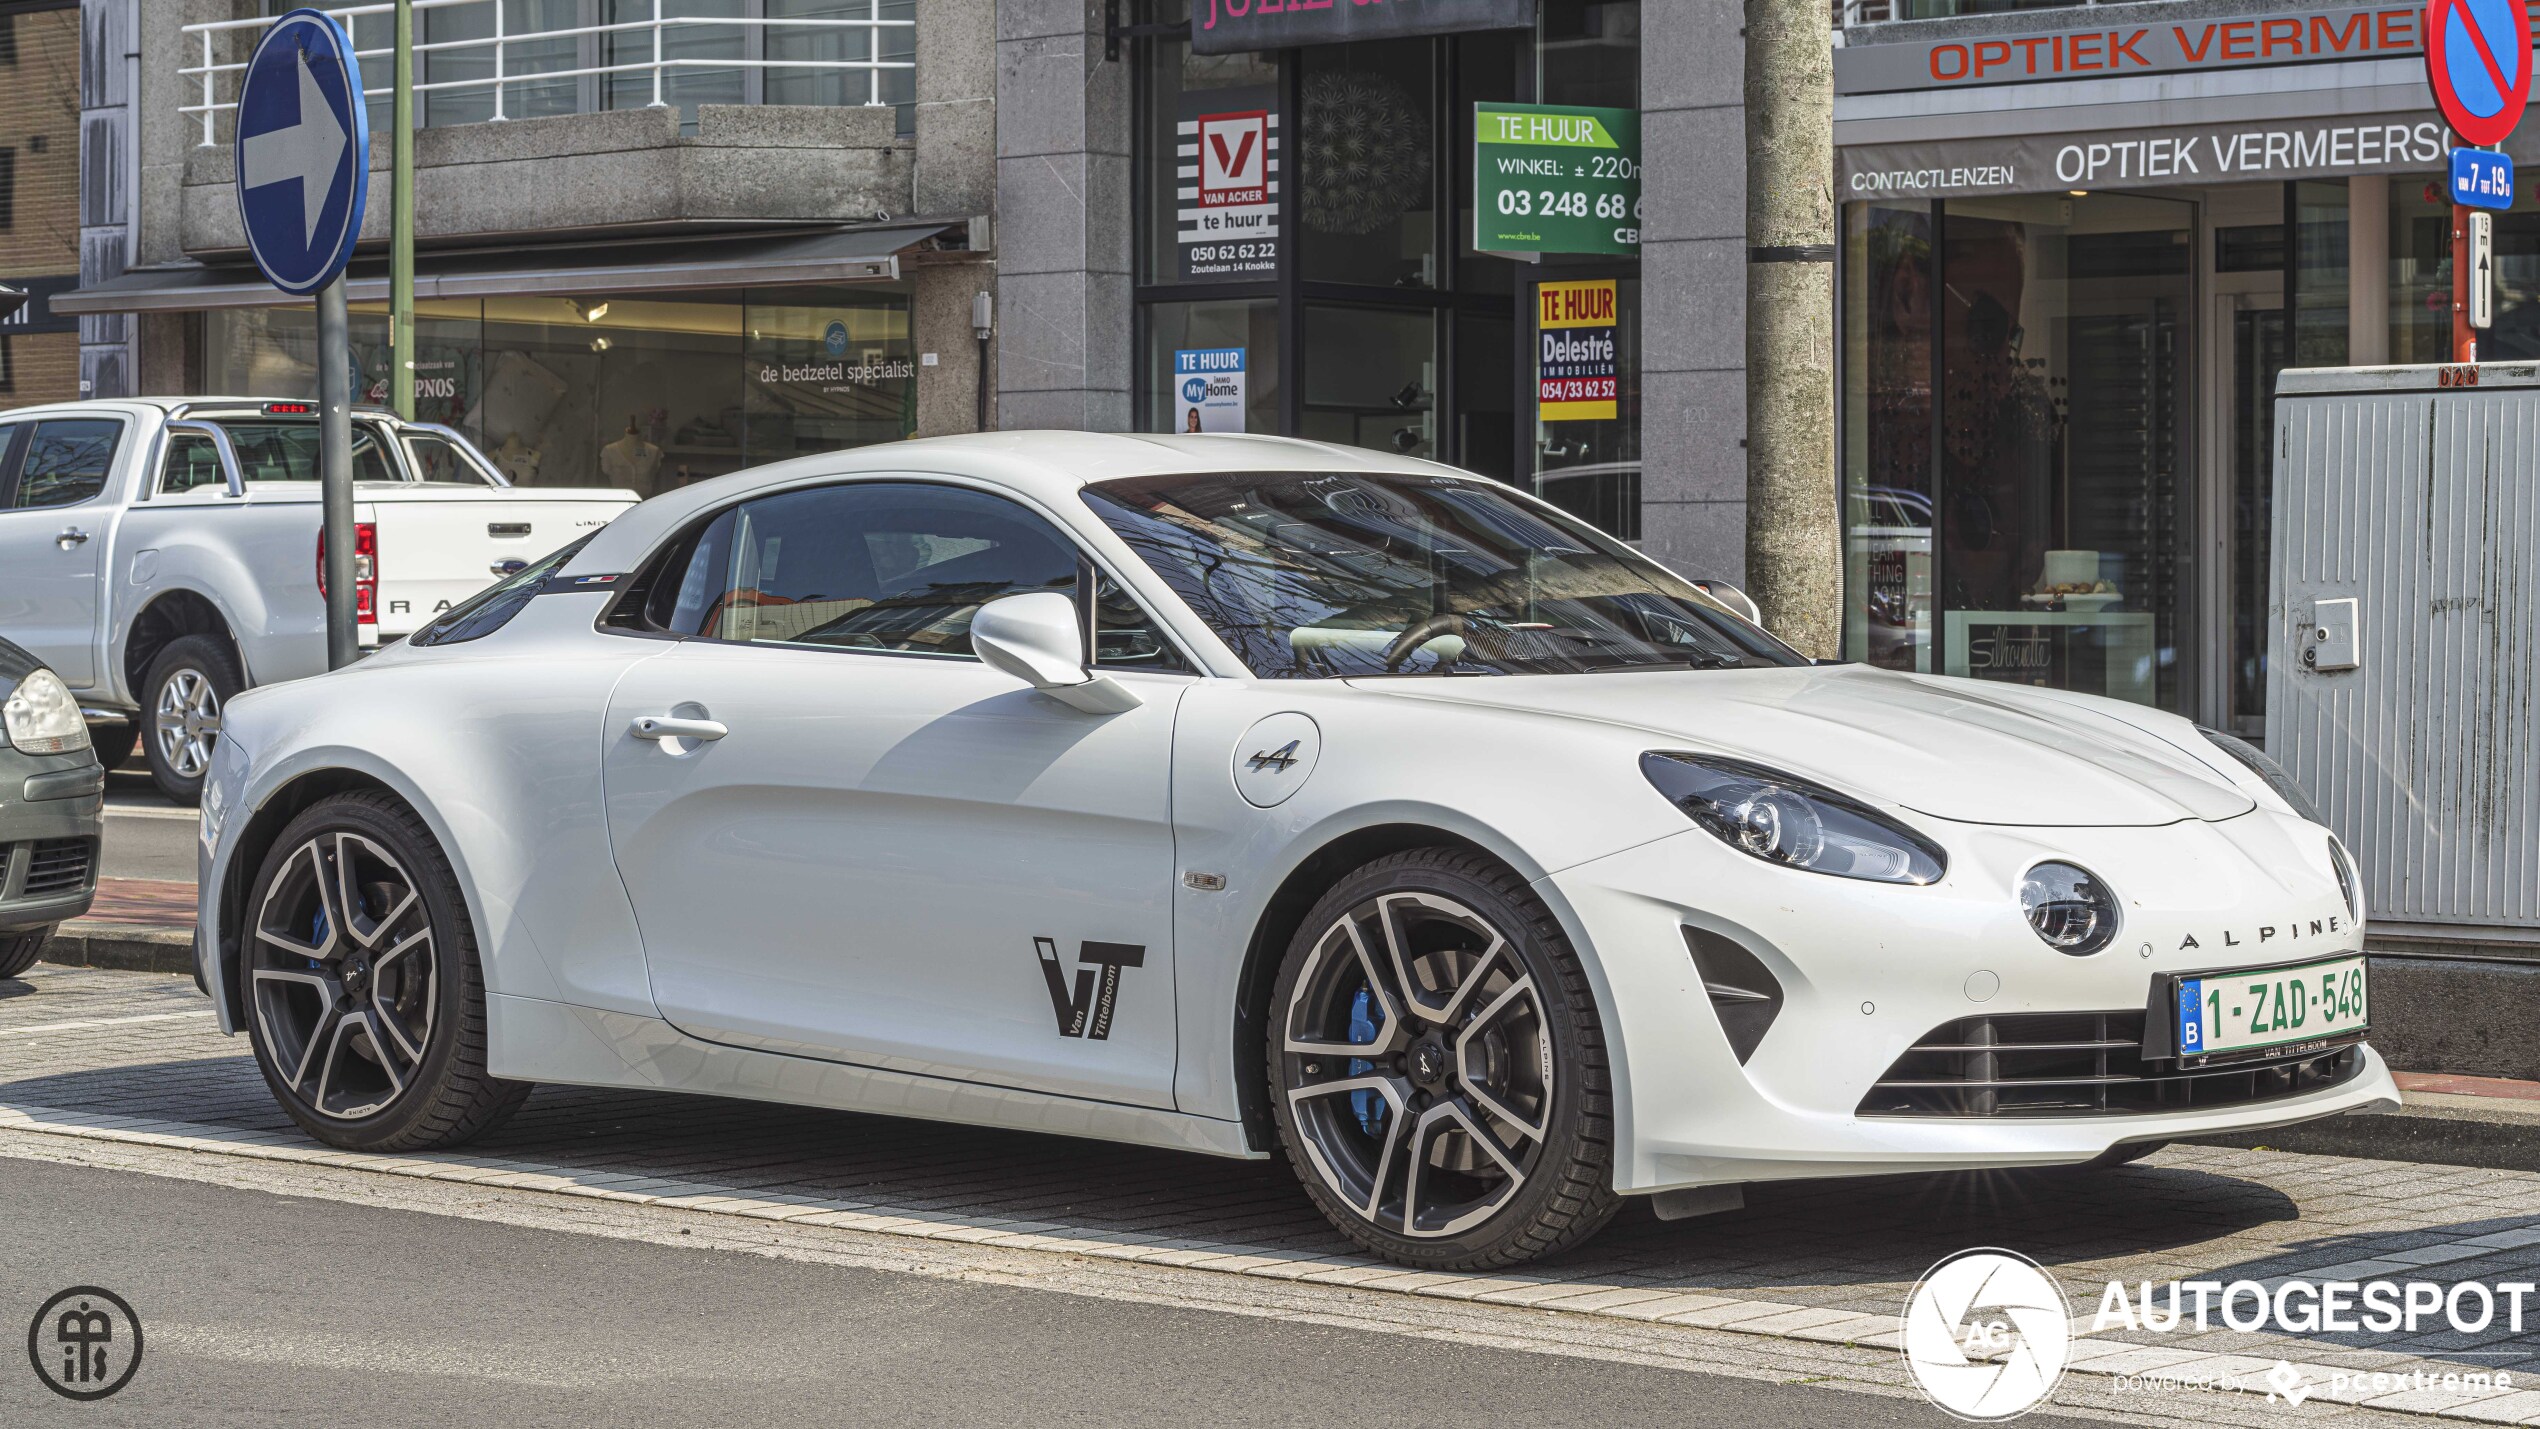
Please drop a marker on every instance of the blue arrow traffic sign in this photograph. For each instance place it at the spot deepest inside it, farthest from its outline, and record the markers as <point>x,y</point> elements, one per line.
<point>2478,62</point>
<point>303,152</point>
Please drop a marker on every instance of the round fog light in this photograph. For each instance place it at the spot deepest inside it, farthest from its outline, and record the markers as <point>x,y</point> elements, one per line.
<point>2070,908</point>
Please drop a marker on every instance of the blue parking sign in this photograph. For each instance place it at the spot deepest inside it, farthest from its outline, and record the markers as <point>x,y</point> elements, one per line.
<point>2482,178</point>
<point>303,152</point>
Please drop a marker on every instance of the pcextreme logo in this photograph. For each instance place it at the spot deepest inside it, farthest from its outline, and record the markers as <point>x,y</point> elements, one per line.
<point>1986,1334</point>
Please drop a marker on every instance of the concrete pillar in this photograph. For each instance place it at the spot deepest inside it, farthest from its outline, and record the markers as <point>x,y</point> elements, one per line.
<point>1693,286</point>
<point>2368,270</point>
<point>1062,219</point>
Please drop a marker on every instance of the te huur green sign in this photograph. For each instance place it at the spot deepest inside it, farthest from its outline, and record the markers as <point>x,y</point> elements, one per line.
<point>1554,178</point>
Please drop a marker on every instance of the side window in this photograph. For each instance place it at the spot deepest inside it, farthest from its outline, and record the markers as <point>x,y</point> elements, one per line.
<point>435,459</point>
<point>369,462</point>
<point>67,460</point>
<point>870,566</point>
<point>192,462</point>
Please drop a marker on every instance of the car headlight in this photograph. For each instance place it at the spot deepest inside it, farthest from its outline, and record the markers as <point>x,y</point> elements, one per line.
<point>2349,885</point>
<point>42,717</point>
<point>2255,760</point>
<point>2070,908</point>
<point>1783,819</point>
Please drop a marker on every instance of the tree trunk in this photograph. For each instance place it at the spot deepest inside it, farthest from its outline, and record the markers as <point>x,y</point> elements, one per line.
<point>1794,559</point>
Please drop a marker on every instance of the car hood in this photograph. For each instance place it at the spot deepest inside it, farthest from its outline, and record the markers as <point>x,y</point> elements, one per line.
<point>1954,749</point>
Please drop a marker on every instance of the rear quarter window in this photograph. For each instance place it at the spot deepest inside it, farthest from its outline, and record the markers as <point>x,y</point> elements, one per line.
<point>492,608</point>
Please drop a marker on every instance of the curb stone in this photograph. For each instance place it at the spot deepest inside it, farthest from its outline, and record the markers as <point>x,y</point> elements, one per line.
<point>1798,1323</point>
<point>122,947</point>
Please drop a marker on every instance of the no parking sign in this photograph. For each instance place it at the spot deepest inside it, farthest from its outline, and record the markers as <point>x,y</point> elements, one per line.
<point>2478,60</point>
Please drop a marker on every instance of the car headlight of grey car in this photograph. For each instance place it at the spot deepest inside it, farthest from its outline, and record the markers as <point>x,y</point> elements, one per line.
<point>1781,818</point>
<point>42,718</point>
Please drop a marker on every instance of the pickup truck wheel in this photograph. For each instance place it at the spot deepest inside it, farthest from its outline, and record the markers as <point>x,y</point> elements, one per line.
<point>18,951</point>
<point>190,684</point>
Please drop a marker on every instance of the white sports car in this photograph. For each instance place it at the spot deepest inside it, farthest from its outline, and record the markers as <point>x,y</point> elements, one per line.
<point>1245,796</point>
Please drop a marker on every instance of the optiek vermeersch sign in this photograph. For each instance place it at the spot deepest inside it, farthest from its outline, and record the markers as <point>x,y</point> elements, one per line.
<point>2140,158</point>
<point>2116,47</point>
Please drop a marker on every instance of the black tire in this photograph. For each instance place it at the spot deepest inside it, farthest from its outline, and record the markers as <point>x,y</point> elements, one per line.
<point>202,668</point>
<point>19,951</point>
<point>379,1000</point>
<point>1514,1042</point>
<point>115,743</point>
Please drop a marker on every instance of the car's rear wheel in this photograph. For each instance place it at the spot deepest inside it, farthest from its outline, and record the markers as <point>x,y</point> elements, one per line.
<point>364,1000</point>
<point>1437,1068</point>
<point>19,951</point>
<point>190,684</point>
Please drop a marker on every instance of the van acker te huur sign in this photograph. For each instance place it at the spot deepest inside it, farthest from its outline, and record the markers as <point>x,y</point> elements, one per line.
<point>2118,45</point>
<point>2141,158</point>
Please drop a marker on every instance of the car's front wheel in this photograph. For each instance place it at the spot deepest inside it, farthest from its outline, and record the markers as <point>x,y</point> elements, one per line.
<point>364,1000</point>
<point>1437,1068</point>
<point>19,951</point>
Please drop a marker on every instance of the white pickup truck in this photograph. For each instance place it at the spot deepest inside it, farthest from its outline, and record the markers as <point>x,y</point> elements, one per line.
<point>162,554</point>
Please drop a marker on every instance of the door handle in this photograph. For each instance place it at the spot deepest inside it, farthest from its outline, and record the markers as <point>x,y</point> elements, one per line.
<point>71,536</point>
<point>669,727</point>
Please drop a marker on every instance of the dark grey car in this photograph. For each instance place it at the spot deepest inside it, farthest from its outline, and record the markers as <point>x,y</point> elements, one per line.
<point>52,810</point>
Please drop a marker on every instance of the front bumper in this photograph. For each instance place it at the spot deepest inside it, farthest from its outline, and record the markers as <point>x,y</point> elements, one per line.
<point>1865,971</point>
<point>52,811</point>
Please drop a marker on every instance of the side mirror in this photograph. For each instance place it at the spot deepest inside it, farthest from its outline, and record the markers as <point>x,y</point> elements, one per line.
<point>1735,599</point>
<point>1035,638</point>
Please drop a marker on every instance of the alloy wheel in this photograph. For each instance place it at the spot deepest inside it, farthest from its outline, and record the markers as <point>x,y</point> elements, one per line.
<point>341,975</point>
<point>1418,1064</point>
<point>188,722</point>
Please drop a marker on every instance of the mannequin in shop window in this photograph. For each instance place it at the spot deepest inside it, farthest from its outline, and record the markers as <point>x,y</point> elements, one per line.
<point>518,460</point>
<point>630,460</point>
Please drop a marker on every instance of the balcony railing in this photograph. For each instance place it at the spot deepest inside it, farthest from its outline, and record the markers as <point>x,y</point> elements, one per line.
<point>475,61</point>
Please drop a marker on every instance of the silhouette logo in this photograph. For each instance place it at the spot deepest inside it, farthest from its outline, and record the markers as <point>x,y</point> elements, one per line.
<point>1986,1334</point>
<point>85,1343</point>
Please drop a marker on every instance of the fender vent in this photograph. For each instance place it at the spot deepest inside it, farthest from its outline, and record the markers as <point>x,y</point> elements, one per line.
<point>1745,995</point>
<point>2078,1064</point>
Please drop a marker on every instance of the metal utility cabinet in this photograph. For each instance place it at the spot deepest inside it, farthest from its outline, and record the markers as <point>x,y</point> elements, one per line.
<point>2404,607</point>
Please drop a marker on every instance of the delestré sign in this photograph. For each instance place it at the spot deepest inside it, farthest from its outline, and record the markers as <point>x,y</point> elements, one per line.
<point>1225,26</point>
<point>2107,50</point>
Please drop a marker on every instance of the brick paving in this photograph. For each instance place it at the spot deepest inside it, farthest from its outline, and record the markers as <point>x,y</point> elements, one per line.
<point>1830,1261</point>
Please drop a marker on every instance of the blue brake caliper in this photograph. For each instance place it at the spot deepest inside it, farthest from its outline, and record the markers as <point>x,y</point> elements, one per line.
<point>1369,1107</point>
<point>317,934</point>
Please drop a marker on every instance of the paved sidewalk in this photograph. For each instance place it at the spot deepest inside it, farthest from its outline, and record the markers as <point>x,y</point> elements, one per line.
<point>133,1057</point>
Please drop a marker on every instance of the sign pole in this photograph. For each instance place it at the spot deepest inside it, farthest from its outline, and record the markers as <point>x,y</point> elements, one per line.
<point>401,216</point>
<point>335,470</point>
<point>2464,337</point>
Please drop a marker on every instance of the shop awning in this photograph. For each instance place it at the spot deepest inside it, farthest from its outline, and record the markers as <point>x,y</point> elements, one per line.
<point>868,253</point>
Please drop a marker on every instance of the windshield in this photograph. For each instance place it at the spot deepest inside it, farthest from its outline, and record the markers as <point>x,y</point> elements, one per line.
<point>1312,575</point>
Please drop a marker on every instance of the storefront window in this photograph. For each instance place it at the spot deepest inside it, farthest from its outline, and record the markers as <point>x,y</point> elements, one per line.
<point>1371,379</point>
<point>1305,221</point>
<point>1367,165</point>
<point>645,392</point>
<point>2052,521</point>
<point>1887,410</point>
<point>2319,273</point>
<point>2420,273</point>
<point>1231,349</point>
